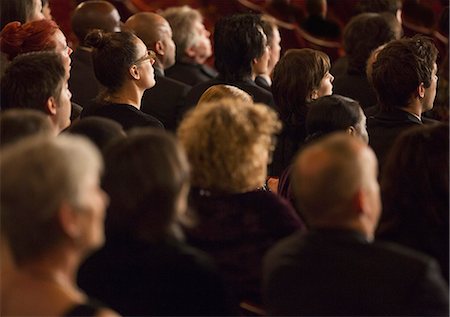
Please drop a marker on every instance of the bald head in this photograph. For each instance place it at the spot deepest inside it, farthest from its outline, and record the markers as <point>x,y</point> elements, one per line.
<point>95,14</point>
<point>335,182</point>
<point>156,34</point>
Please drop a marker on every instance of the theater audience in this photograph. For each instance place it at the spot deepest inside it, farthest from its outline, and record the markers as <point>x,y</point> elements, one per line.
<point>317,23</point>
<point>16,124</point>
<point>101,131</point>
<point>145,269</point>
<point>87,16</point>
<point>52,216</point>
<point>362,35</point>
<point>228,144</point>
<point>270,28</point>
<point>218,92</point>
<point>20,10</point>
<point>38,80</point>
<point>415,193</point>
<point>123,65</point>
<point>193,46</point>
<point>292,94</point>
<point>238,40</point>
<point>336,269</point>
<point>156,34</point>
<point>405,80</point>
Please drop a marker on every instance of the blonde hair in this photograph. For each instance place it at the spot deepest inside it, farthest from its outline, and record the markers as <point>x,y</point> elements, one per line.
<point>228,143</point>
<point>218,92</point>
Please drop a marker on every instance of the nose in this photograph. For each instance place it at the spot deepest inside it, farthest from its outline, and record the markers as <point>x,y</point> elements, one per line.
<point>69,50</point>
<point>207,33</point>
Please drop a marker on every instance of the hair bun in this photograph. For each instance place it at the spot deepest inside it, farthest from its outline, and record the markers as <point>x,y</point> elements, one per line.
<point>11,39</point>
<point>95,38</point>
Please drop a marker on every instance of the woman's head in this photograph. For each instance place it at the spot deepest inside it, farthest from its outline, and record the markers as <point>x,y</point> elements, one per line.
<point>50,196</point>
<point>218,92</point>
<point>120,57</point>
<point>147,178</point>
<point>335,113</point>
<point>228,143</point>
<point>20,10</point>
<point>300,76</point>
<point>41,35</point>
<point>273,40</point>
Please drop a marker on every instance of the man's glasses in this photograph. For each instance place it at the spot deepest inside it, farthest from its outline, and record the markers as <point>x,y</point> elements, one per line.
<point>151,56</point>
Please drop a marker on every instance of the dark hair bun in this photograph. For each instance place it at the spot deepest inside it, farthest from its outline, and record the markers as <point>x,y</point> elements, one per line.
<point>96,38</point>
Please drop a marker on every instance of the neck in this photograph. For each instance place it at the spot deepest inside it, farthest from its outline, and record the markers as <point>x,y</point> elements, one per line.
<point>128,94</point>
<point>414,108</point>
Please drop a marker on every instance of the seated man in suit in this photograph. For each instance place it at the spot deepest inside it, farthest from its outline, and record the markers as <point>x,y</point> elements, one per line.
<point>38,80</point>
<point>166,99</point>
<point>89,15</point>
<point>336,268</point>
<point>238,41</point>
<point>405,81</point>
<point>193,46</point>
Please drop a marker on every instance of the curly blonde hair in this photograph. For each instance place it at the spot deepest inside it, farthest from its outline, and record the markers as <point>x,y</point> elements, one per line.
<point>217,92</point>
<point>228,143</point>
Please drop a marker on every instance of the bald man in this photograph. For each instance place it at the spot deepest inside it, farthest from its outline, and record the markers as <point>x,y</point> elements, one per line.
<point>89,15</point>
<point>336,268</point>
<point>166,99</point>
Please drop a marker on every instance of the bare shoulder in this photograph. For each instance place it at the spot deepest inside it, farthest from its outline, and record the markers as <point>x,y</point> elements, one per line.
<point>106,312</point>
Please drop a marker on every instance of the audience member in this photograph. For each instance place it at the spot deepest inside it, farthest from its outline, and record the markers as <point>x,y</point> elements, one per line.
<point>101,131</point>
<point>87,16</point>
<point>336,269</point>
<point>415,193</point>
<point>238,40</point>
<point>404,78</point>
<point>123,65</point>
<point>292,94</point>
<point>20,10</point>
<point>16,124</point>
<point>193,46</point>
<point>362,35</point>
<point>218,92</point>
<point>270,28</point>
<point>166,99</point>
<point>228,145</point>
<point>316,22</point>
<point>326,115</point>
<point>52,216</point>
<point>153,273</point>
<point>379,6</point>
<point>46,10</point>
<point>38,80</point>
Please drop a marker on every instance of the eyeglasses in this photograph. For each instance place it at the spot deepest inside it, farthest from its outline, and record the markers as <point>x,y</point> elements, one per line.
<point>151,56</point>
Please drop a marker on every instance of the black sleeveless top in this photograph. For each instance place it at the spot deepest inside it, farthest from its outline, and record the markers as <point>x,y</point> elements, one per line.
<point>88,309</point>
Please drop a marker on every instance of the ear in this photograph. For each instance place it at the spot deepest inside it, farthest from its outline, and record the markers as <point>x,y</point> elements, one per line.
<point>421,91</point>
<point>68,219</point>
<point>190,51</point>
<point>51,106</point>
<point>314,94</point>
<point>359,202</point>
<point>134,72</point>
<point>351,130</point>
<point>159,48</point>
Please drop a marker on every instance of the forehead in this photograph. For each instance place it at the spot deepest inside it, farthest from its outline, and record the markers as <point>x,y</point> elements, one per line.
<point>59,37</point>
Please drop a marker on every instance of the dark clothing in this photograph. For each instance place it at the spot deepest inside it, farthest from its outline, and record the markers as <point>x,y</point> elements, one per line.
<point>262,82</point>
<point>356,87</point>
<point>191,74</point>
<point>91,308</point>
<point>140,278</point>
<point>289,142</point>
<point>317,26</point>
<point>386,126</point>
<point>339,273</point>
<point>83,84</point>
<point>258,94</point>
<point>128,116</point>
<point>165,100</point>
<point>237,230</point>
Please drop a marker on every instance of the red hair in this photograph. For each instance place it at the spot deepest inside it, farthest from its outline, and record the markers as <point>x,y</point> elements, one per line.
<point>17,38</point>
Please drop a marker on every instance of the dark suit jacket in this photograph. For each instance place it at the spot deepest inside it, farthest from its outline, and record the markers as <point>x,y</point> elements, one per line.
<point>259,94</point>
<point>82,82</point>
<point>356,87</point>
<point>337,272</point>
<point>385,127</point>
<point>190,74</point>
<point>165,100</point>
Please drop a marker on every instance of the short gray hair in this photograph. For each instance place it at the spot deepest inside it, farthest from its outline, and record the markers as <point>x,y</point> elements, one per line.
<point>181,20</point>
<point>37,175</point>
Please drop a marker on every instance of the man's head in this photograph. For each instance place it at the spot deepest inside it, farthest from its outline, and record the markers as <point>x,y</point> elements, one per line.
<point>156,34</point>
<point>335,184</point>
<point>238,40</point>
<point>189,34</point>
<point>38,80</point>
<point>96,14</point>
<point>404,73</point>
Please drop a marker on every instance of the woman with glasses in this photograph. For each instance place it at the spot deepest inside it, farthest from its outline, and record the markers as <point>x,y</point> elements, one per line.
<point>123,65</point>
